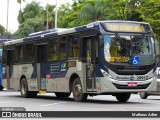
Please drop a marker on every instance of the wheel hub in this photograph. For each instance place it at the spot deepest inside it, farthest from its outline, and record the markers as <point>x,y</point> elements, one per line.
<point>142,93</point>
<point>23,89</point>
<point>77,89</point>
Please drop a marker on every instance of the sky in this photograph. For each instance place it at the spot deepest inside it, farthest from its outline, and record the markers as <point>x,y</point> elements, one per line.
<point>14,10</point>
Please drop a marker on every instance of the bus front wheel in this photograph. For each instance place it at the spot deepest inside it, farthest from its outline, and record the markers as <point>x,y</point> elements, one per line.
<point>123,97</point>
<point>24,89</point>
<point>143,95</point>
<point>77,90</point>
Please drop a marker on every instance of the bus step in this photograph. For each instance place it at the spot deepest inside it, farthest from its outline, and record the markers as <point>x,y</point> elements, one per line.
<point>42,92</point>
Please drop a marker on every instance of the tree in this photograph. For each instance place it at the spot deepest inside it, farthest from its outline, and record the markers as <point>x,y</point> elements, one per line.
<point>67,15</point>
<point>20,1</point>
<point>51,16</point>
<point>2,30</point>
<point>122,10</point>
<point>150,12</point>
<point>31,25</point>
<point>32,10</point>
<point>30,19</point>
<point>84,11</point>
<point>94,10</point>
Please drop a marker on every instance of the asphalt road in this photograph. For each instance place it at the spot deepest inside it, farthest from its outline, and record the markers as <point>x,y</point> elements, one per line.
<point>49,102</point>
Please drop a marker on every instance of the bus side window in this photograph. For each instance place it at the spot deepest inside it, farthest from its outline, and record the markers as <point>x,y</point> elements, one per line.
<point>70,47</point>
<point>96,51</point>
<point>63,48</point>
<point>29,52</point>
<point>19,54</point>
<point>53,49</point>
<point>74,46</point>
<point>90,49</point>
<point>10,57</point>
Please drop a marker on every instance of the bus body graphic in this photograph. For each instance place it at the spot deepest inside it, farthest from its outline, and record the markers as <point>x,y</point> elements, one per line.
<point>105,57</point>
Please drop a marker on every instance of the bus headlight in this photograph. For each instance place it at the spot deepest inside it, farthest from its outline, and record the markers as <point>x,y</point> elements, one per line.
<point>105,74</point>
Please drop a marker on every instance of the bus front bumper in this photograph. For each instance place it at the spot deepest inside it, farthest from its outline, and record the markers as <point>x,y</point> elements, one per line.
<point>109,85</point>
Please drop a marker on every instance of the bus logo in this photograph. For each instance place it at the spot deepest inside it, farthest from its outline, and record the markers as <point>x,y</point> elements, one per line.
<point>133,77</point>
<point>135,60</point>
<point>63,66</point>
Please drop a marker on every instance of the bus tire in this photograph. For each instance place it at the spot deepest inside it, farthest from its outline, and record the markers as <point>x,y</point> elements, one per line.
<point>24,88</point>
<point>123,97</point>
<point>78,95</point>
<point>143,95</point>
<point>62,94</point>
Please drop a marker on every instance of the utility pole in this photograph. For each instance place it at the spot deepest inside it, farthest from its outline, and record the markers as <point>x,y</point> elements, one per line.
<point>7,16</point>
<point>47,16</point>
<point>56,16</point>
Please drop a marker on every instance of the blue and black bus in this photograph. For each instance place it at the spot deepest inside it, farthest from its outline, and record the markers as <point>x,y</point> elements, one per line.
<point>102,58</point>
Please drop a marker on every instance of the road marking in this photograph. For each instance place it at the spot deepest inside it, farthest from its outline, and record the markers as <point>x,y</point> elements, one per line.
<point>7,101</point>
<point>53,104</point>
<point>2,98</point>
<point>123,109</point>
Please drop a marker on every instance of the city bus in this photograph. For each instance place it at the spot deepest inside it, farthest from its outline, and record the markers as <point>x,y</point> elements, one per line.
<point>101,58</point>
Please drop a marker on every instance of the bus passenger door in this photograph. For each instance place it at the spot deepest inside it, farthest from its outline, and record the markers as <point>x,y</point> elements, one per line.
<point>10,61</point>
<point>90,53</point>
<point>41,67</point>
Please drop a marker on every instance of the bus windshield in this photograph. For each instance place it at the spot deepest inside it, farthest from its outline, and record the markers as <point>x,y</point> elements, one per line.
<point>129,49</point>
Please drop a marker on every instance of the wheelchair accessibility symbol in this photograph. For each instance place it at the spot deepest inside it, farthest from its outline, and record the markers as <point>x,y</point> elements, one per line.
<point>135,60</point>
<point>43,84</point>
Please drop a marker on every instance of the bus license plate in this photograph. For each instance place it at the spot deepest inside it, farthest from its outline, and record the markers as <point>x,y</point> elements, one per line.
<point>132,84</point>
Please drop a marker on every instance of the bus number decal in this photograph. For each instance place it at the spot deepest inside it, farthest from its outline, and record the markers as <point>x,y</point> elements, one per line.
<point>142,77</point>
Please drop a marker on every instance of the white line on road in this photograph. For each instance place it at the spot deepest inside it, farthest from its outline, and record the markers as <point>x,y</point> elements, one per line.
<point>53,104</point>
<point>123,109</point>
<point>2,98</point>
<point>7,101</point>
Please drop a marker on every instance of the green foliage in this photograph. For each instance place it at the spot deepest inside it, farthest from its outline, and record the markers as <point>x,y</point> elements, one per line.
<point>32,24</point>
<point>30,20</point>
<point>122,9</point>
<point>51,15</point>
<point>94,10</point>
<point>2,30</point>
<point>150,12</point>
<point>85,11</point>
<point>30,11</point>
<point>19,1</point>
<point>67,15</point>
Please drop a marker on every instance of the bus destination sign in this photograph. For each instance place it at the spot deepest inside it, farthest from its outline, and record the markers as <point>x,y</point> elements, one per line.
<point>127,27</point>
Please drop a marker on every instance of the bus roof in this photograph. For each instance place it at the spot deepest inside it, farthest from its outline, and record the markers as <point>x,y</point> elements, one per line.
<point>60,31</point>
<point>121,21</point>
<point>13,41</point>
